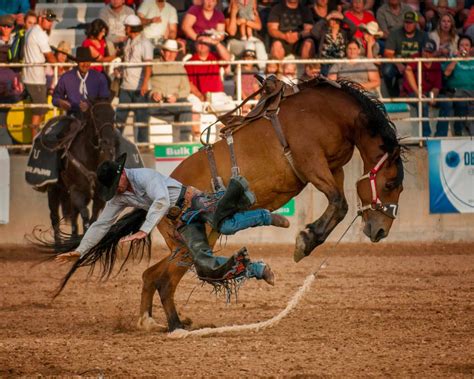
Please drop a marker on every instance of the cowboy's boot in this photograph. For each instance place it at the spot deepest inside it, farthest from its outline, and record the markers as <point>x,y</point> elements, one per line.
<point>206,264</point>
<point>237,197</point>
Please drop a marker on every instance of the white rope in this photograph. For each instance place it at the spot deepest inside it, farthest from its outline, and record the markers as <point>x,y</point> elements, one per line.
<point>182,333</point>
<point>256,326</point>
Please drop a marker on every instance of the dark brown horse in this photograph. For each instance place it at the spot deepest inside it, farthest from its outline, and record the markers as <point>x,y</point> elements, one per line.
<point>322,125</point>
<point>75,188</point>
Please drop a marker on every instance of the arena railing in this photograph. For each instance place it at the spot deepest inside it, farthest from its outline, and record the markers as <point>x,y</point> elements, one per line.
<point>238,98</point>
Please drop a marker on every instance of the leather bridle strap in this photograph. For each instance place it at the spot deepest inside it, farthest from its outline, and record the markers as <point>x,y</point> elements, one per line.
<point>388,209</point>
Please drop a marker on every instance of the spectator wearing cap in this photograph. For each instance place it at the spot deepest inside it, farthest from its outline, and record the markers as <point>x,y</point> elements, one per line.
<point>170,85</point>
<point>364,73</point>
<point>357,15</point>
<point>370,47</point>
<point>62,54</point>
<point>403,42</point>
<point>37,50</point>
<point>16,8</point>
<point>204,79</point>
<point>114,15</point>
<point>7,23</point>
<point>431,83</point>
<point>390,16</point>
<point>237,44</point>
<point>77,87</point>
<point>135,80</point>
<point>460,83</point>
<point>10,92</point>
<point>160,20</point>
<point>289,24</point>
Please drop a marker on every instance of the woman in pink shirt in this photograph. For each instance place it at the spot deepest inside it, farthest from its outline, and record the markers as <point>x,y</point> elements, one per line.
<point>203,19</point>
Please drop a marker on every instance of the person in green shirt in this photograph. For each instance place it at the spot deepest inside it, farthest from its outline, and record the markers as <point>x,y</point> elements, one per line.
<point>460,80</point>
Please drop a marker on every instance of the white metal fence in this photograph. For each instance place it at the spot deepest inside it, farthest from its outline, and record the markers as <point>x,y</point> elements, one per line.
<point>238,80</point>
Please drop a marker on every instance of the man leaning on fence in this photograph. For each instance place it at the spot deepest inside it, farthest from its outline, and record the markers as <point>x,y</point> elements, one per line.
<point>135,79</point>
<point>170,85</point>
<point>37,50</point>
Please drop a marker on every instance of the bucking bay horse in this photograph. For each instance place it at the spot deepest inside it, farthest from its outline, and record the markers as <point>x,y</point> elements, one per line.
<point>320,124</point>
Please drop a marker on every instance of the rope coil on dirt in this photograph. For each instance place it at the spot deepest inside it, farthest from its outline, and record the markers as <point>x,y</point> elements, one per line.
<point>257,326</point>
<point>182,333</point>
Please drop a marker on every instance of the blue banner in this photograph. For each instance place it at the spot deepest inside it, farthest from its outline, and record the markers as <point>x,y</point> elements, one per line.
<point>451,173</point>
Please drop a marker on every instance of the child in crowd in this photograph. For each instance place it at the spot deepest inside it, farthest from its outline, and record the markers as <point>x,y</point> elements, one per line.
<point>246,14</point>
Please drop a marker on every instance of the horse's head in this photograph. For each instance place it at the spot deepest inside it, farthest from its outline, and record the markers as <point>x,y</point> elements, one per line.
<point>102,116</point>
<point>379,191</point>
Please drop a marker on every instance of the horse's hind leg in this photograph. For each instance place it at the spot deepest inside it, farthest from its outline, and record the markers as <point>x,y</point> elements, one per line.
<point>80,201</point>
<point>332,185</point>
<point>53,202</point>
<point>164,278</point>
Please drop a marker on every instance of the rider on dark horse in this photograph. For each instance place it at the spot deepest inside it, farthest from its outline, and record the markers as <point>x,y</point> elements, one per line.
<point>191,209</point>
<point>80,84</point>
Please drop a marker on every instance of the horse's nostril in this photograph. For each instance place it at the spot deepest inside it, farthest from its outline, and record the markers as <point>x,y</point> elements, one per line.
<point>380,234</point>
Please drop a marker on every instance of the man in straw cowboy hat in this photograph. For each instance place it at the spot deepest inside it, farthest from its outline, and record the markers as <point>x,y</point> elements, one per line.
<point>170,85</point>
<point>190,209</point>
<point>76,87</point>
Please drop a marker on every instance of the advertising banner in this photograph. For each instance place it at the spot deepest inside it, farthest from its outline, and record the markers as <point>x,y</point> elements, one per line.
<point>451,176</point>
<point>168,157</point>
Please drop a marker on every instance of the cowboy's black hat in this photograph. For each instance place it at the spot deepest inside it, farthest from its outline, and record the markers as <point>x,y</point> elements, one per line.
<point>108,175</point>
<point>83,54</point>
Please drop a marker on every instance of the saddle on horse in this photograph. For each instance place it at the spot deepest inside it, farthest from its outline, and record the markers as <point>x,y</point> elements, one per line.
<point>48,146</point>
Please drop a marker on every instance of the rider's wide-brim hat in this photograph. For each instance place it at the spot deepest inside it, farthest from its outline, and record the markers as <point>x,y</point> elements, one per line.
<point>83,54</point>
<point>108,176</point>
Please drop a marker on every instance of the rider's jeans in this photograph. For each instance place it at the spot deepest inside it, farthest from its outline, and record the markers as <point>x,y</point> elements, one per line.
<point>244,220</point>
<point>254,269</point>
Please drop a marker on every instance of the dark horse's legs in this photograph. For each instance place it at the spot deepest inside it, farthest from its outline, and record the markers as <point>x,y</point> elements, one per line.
<point>332,185</point>
<point>54,201</point>
<point>79,202</point>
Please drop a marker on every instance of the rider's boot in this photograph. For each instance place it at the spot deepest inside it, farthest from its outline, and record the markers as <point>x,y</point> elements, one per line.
<point>206,264</point>
<point>237,197</point>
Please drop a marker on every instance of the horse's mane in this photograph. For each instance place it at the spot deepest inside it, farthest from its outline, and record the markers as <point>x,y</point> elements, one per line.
<point>377,120</point>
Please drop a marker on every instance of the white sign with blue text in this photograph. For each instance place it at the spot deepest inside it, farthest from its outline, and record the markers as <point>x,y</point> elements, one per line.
<point>451,168</point>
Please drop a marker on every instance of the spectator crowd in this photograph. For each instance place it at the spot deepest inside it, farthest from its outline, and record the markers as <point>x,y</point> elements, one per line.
<point>152,31</point>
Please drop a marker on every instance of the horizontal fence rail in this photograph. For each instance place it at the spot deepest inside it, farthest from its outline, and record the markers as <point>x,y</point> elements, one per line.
<point>419,100</point>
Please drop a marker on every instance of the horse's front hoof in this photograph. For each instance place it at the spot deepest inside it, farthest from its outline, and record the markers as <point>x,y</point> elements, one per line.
<point>147,323</point>
<point>301,246</point>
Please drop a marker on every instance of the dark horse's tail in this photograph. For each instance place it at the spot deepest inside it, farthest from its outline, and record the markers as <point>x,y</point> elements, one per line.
<point>105,252</point>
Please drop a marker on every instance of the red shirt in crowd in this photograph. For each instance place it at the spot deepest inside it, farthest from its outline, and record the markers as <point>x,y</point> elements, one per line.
<point>101,49</point>
<point>206,77</point>
<point>202,23</point>
<point>366,18</point>
<point>431,77</point>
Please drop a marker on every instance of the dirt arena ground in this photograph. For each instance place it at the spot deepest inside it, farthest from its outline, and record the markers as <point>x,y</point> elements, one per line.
<point>375,310</point>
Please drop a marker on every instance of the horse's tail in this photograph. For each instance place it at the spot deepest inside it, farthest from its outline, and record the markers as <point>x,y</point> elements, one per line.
<point>105,252</point>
